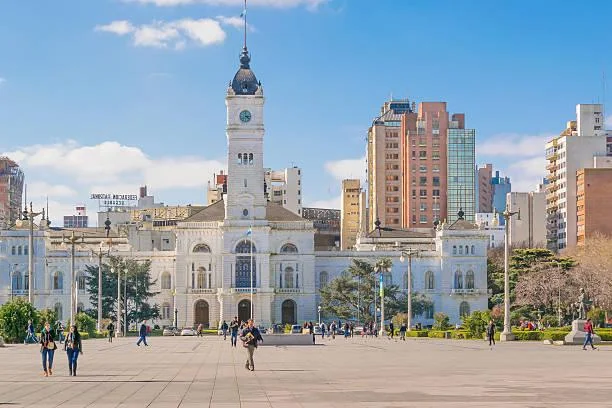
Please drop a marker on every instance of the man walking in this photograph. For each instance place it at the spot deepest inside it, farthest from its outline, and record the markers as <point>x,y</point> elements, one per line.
<point>588,329</point>
<point>143,334</point>
<point>224,327</point>
<point>250,336</point>
<point>234,325</point>
<point>391,329</point>
<point>403,329</point>
<point>491,334</point>
<point>111,331</point>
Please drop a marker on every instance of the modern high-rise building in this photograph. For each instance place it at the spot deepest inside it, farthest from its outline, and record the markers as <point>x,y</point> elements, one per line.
<point>530,229</point>
<point>11,190</point>
<point>407,164</point>
<point>577,147</point>
<point>350,220</point>
<point>284,187</point>
<point>484,189</point>
<point>384,162</point>
<point>501,186</point>
<point>593,198</point>
<point>79,219</point>
<point>461,194</point>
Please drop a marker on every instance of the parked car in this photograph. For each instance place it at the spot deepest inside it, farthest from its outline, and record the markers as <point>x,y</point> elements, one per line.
<point>188,331</point>
<point>296,329</point>
<point>170,331</point>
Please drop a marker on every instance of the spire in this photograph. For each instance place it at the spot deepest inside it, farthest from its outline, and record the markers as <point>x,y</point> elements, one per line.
<point>245,58</point>
<point>244,14</point>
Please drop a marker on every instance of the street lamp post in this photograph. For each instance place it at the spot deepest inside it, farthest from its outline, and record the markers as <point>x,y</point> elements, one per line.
<point>506,334</point>
<point>381,268</point>
<point>319,310</point>
<point>72,241</point>
<point>118,328</point>
<point>409,253</point>
<point>107,225</point>
<point>125,317</point>
<point>29,216</point>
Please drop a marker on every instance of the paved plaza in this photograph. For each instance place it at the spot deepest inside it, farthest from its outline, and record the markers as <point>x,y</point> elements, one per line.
<point>196,372</point>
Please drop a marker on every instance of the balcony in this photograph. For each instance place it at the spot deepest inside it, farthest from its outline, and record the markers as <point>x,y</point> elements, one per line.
<point>552,156</point>
<point>552,166</point>
<point>19,292</point>
<point>243,290</point>
<point>201,291</point>
<point>288,290</point>
<point>468,292</point>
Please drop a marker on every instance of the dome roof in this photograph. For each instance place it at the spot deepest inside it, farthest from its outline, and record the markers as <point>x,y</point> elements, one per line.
<point>245,82</point>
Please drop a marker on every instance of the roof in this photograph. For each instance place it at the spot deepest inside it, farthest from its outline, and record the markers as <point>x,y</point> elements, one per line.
<point>245,82</point>
<point>462,224</point>
<point>398,233</point>
<point>216,212</point>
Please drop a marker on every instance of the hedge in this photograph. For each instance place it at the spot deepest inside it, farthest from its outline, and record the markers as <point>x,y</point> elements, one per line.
<point>417,333</point>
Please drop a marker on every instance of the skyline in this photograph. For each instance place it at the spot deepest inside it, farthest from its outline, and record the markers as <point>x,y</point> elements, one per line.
<point>134,89</point>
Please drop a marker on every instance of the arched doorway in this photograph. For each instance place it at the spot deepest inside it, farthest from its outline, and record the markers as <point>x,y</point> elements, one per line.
<point>289,312</point>
<point>244,310</point>
<point>201,313</point>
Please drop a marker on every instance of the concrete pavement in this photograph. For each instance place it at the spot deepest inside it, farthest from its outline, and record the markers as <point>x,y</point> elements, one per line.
<point>196,372</point>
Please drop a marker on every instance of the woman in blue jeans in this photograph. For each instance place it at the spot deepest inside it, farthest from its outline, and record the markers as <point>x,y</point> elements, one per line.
<point>47,348</point>
<point>73,347</point>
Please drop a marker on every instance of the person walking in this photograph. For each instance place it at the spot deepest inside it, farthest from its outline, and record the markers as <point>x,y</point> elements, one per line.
<point>199,330</point>
<point>333,329</point>
<point>250,337</point>
<point>47,348</point>
<point>311,331</point>
<point>402,331</point>
<point>347,331</point>
<point>30,336</point>
<point>491,333</point>
<point>111,331</point>
<point>323,329</point>
<point>588,329</point>
<point>234,325</point>
<point>143,334</point>
<point>224,329</point>
<point>73,348</point>
<point>391,329</point>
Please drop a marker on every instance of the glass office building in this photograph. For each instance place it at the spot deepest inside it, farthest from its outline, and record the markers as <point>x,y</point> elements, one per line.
<point>461,161</point>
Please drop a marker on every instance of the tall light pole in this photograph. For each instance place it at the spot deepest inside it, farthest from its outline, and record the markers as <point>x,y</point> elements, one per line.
<point>319,310</point>
<point>118,328</point>
<point>107,225</point>
<point>72,241</point>
<point>382,266</point>
<point>29,216</point>
<point>125,316</point>
<point>409,254</point>
<point>506,334</point>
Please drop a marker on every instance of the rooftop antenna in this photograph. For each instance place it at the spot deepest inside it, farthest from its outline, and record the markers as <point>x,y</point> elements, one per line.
<point>244,15</point>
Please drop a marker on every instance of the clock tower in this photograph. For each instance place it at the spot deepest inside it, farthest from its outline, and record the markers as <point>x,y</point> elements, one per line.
<point>245,199</point>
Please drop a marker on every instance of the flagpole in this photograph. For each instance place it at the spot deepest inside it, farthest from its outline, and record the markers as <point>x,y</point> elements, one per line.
<point>251,229</point>
<point>245,24</point>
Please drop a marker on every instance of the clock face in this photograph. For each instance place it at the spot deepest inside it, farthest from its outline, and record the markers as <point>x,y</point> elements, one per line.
<point>245,116</point>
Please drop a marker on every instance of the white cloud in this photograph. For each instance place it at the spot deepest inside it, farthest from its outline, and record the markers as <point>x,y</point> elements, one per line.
<point>329,203</point>
<point>527,174</point>
<point>310,4</point>
<point>236,22</point>
<point>511,144</point>
<point>44,189</point>
<point>347,168</point>
<point>172,34</point>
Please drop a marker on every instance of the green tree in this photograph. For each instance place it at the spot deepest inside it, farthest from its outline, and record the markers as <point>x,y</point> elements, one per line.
<point>14,316</point>
<point>351,295</point>
<point>136,283</point>
<point>47,315</point>
<point>85,323</point>
<point>441,321</point>
<point>476,323</point>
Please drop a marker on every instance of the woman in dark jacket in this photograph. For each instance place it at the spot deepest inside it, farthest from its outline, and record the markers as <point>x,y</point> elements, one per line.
<point>73,347</point>
<point>47,348</point>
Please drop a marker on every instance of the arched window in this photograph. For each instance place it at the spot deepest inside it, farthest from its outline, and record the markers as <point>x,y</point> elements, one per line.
<point>458,280</point>
<point>429,311</point>
<point>58,311</point>
<point>245,158</point>
<point>250,158</point>
<point>19,250</point>
<point>17,281</point>
<point>246,265</point>
<point>166,281</point>
<point>473,250</point>
<point>245,247</point>
<point>13,251</point>
<point>201,278</point>
<point>467,250</point>
<point>58,280</point>
<point>429,280</point>
<point>289,277</point>
<point>460,249</point>
<point>469,280</point>
<point>388,278</point>
<point>289,249</point>
<point>81,281</point>
<point>454,249</point>
<point>323,279</point>
<point>165,311</point>
<point>25,250</point>
<point>201,249</point>
<point>464,309</point>
<point>239,158</point>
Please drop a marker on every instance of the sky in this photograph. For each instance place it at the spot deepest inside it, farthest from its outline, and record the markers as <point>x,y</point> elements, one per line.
<point>107,95</point>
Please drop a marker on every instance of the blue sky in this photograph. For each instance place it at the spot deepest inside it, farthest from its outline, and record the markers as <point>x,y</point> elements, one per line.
<point>110,94</point>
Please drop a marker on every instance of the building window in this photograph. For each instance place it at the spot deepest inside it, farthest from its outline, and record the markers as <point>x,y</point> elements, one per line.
<point>19,250</point>
<point>25,250</point>
<point>469,280</point>
<point>387,279</point>
<point>436,181</point>
<point>423,206</point>
<point>423,219</point>
<point>423,193</point>
<point>423,168</point>
<point>166,281</point>
<point>289,249</point>
<point>323,279</point>
<point>429,280</point>
<point>201,248</point>
<point>165,311</point>
<point>58,280</point>
<point>81,281</point>
<point>458,280</point>
<point>467,250</point>
<point>17,281</point>
<point>464,309</point>
<point>201,278</point>
<point>13,251</point>
<point>429,311</point>
<point>436,193</point>
<point>473,252</point>
<point>289,277</point>
<point>250,158</point>
<point>422,155</point>
<point>460,249</point>
<point>454,249</point>
<point>422,181</point>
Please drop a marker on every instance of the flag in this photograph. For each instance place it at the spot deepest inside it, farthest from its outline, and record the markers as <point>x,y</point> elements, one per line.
<point>382,289</point>
<point>243,14</point>
<point>249,232</point>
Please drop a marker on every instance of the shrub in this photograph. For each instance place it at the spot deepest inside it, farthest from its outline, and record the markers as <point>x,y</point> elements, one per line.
<point>441,321</point>
<point>554,335</point>
<point>437,334</point>
<point>47,315</point>
<point>529,335</point>
<point>85,323</point>
<point>14,316</point>
<point>416,333</point>
<point>598,316</point>
<point>476,323</point>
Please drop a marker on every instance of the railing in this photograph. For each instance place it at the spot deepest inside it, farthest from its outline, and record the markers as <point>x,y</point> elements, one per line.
<point>56,291</point>
<point>242,290</point>
<point>201,291</point>
<point>288,290</point>
<point>467,292</point>
<point>19,292</point>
